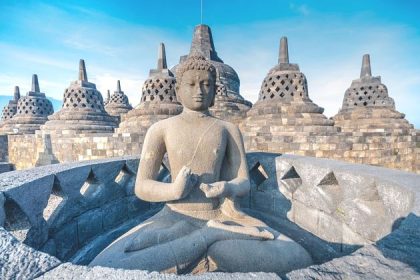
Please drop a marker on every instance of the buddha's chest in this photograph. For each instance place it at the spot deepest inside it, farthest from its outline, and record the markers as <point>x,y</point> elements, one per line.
<point>201,148</point>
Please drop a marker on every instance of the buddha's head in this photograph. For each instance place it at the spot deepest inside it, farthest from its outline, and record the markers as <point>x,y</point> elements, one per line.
<point>196,83</point>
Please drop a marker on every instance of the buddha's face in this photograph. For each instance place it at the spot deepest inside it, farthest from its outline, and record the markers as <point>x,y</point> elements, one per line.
<point>196,90</point>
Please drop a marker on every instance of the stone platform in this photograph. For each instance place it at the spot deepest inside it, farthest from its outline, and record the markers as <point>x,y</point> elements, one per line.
<point>363,220</point>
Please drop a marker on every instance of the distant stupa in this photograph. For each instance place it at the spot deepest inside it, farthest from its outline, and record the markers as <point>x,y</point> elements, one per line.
<point>83,109</point>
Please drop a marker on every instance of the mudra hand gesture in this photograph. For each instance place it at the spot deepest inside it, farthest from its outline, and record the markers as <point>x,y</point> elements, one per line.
<point>184,183</point>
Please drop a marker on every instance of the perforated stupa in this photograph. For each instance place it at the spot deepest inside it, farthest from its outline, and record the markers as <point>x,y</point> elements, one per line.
<point>83,109</point>
<point>118,104</point>
<point>284,112</point>
<point>11,108</point>
<point>158,100</point>
<point>367,106</point>
<point>32,111</point>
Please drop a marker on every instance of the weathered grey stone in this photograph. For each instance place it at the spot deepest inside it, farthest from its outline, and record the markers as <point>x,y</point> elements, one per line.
<point>70,271</point>
<point>394,257</point>
<point>72,180</point>
<point>18,261</point>
<point>114,214</point>
<point>89,225</point>
<point>66,240</point>
<point>2,212</point>
<point>32,200</point>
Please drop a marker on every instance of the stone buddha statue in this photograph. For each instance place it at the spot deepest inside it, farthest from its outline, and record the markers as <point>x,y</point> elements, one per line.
<point>200,228</point>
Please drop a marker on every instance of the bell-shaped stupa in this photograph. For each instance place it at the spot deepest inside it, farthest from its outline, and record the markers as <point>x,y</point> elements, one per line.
<point>158,100</point>
<point>117,104</point>
<point>229,104</point>
<point>367,106</point>
<point>83,109</point>
<point>284,116</point>
<point>32,111</point>
<point>11,108</point>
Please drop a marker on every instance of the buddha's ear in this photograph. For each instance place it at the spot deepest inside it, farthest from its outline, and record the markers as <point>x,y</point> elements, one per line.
<point>178,97</point>
<point>214,96</point>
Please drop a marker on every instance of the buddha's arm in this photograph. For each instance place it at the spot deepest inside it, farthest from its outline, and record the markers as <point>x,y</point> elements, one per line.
<point>234,178</point>
<point>147,188</point>
<point>236,172</point>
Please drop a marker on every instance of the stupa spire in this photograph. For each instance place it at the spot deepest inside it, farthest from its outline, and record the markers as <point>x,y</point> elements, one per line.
<point>16,95</point>
<point>118,86</point>
<point>108,94</point>
<point>283,51</point>
<point>82,71</point>
<point>203,44</point>
<point>35,84</point>
<point>162,57</point>
<point>366,70</point>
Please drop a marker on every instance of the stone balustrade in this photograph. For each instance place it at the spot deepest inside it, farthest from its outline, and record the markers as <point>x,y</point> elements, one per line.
<point>342,213</point>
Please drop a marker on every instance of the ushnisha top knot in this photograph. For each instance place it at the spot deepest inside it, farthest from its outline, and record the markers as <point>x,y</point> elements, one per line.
<point>195,62</point>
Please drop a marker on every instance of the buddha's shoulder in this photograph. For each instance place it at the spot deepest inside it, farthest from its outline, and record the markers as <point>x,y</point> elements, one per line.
<point>163,125</point>
<point>230,127</point>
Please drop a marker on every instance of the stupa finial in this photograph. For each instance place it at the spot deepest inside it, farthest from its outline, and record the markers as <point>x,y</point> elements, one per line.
<point>108,94</point>
<point>161,57</point>
<point>82,71</point>
<point>366,70</point>
<point>35,84</point>
<point>16,95</point>
<point>284,51</point>
<point>118,86</point>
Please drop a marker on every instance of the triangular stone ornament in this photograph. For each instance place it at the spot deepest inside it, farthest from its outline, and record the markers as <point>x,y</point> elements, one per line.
<point>370,193</point>
<point>16,221</point>
<point>56,198</point>
<point>91,186</point>
<point>257,174</point>
<point>290,174</point>
<point>328,180</point>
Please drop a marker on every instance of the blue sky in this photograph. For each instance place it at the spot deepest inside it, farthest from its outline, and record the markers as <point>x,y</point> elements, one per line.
<point>119,40</point>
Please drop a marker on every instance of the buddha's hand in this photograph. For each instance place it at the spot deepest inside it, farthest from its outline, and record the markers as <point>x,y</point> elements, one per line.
<point>184,183</point>
<point>217,189</point>
<point>216,231</point>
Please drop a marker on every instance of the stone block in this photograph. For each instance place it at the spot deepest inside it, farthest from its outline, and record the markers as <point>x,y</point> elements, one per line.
<point>107,171</point>
<point>262,201</point>
<point>89,225</point>
<point>66,240</point>
<point>19,261</point>
<point>32,197</point>
<point>114,213</point>
<point>2,210</point>
<point>136,206</point>
<point>305,217</point>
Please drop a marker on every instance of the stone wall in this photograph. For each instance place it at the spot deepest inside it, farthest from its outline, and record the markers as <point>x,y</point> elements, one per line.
<point>374,148</point>
<point>332,208</point>
<point>4,146</point>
